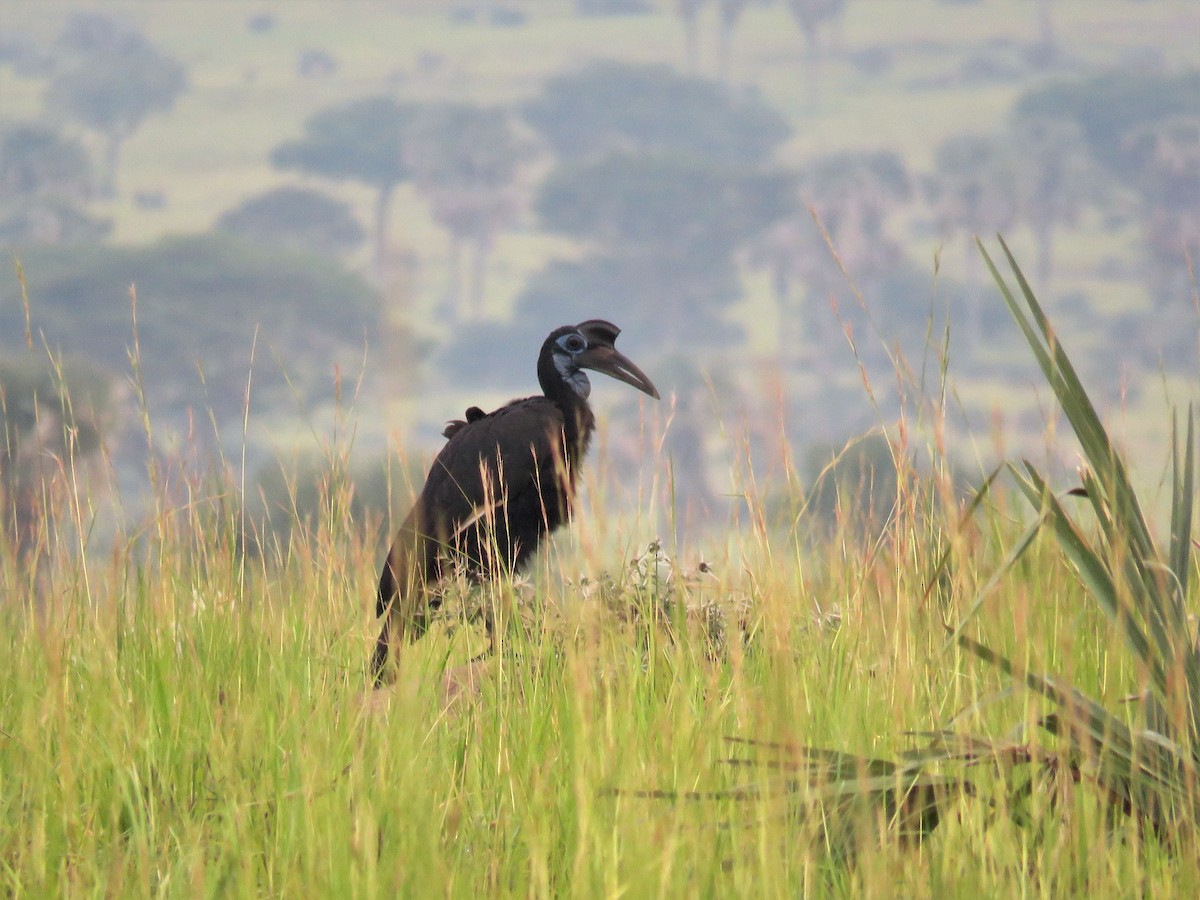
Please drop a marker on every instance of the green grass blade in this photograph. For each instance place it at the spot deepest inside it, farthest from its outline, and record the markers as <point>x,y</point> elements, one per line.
<point>1140,582</point>
<point>821,764</point>
<point>967,515</point>
<point>1126,761</point>
<point>1063,379</point>
<point>1102,587</point>
<point>1010,559</point>
<point>1052,360</point>
<point>1182,505</point>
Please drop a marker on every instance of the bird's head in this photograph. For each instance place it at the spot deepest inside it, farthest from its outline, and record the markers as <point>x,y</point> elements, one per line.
<point>590,345</point>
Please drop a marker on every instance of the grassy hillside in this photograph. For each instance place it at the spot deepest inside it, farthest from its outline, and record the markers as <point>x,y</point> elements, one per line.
<point>179,720</point>
<point>182,718</point>
<point>196,729</point>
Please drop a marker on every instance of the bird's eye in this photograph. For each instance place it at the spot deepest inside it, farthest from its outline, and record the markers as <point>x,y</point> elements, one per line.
<point>573,343</point>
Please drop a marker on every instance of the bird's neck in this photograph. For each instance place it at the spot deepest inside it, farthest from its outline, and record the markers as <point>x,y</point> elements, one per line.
<point>578,425</point>
<point>578,421</point>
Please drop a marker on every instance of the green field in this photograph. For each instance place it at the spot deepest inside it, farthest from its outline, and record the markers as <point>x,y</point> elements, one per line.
<point>183,719</point>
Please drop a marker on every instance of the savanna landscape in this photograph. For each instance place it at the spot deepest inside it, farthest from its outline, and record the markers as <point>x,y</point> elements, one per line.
<point>892,592</point>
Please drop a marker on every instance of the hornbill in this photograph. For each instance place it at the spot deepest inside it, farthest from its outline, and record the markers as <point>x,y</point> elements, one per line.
<point>503,481</point>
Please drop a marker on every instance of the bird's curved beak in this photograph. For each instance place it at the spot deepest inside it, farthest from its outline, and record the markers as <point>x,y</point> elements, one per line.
<point>615,364</point>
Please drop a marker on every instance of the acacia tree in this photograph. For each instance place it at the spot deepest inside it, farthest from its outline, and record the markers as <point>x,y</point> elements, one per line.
<point>362,140</point>
<point>1168,156</point>
<point>297,218</point>
<point>1056,179</point>
<point>664,177</point>
<point>812,16</point>
<point>671,227</point>
<point>847,197</point>
<point>609,107</point>
<point>45,181</point>
<point>1047,44</point>
<point>729,13</point>
<point>112,85</point>
<point>689,12</point>
<point>466,161</point>
<point>973,191</point>
<point>52,422</point>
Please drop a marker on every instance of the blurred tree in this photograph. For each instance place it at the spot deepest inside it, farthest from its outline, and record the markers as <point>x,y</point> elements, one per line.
<point>812,16</point>
<point>661,236</point>
<point>662,179</point>
<point>1110,105</point>
<point>851,196</point>
<point>466,161</point>
<point>295,218</point>
<point>291,501</point>
<point>45,181</point>
<point>1167,154</point>
<point>974,191</point>
<point>612,7</point>
<point>670,226</point>
<point>49,220</point>
<point>1056,178</point>
<point>116,80</point>
<point>361,140</point>
<point>689,13</point>
<point>1047,43</point>
<point>729,15</point>
<point>203,301</point>
<point>35,159</point>
<point>52,424</point>
<point>853,487</point>
<point>1141,127</point>
<point>89,33</point>
<point>611,107</point>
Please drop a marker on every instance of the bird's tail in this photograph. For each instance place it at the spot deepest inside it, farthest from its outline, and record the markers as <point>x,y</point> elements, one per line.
<point>400,600</point>
<point>380,657</point>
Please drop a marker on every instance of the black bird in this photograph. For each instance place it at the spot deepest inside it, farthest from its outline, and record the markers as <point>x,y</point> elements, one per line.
<point>503,481</point>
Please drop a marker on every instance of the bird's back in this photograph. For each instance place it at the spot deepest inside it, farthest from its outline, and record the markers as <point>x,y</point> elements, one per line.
<point>498,486</point>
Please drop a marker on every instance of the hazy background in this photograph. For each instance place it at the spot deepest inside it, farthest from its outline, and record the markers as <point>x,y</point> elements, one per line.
<point>379,209</point>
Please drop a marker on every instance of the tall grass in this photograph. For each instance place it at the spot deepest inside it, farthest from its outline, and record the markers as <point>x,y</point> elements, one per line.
<point>179,718</point>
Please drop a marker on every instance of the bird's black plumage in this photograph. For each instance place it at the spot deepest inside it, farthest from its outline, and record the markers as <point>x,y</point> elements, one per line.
<point>503,481</point>
<point>473,414</point>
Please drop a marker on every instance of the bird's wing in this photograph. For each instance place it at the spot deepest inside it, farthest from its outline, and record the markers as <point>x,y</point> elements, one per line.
<point>489,459</point>
<point>473,414</point>
<point>404,570</point>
